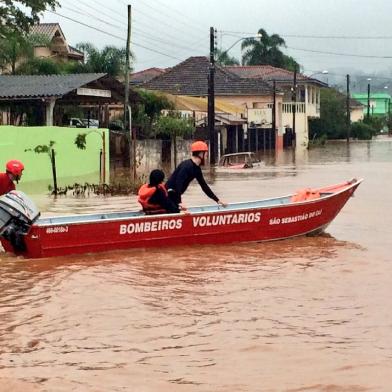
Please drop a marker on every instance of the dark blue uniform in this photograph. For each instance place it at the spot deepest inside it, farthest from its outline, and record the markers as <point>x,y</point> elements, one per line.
<point>179,181</point>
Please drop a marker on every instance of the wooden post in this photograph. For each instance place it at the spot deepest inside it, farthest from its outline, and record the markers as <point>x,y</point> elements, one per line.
<point>348,118</point>
<point>211,98</point>
<point>294,105</point>
<point>53,159</point>
<point>127,62</point>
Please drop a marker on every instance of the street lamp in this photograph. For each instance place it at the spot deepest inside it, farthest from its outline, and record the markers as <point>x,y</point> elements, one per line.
<point>368,98</point>
<point>324,72</point>
<point>258,35</point>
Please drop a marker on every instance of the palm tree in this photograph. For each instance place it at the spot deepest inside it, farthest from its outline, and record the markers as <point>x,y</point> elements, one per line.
<point>17,49</point>
<point>110,60</point>
<point>223,58</point>
<point>266,50</point>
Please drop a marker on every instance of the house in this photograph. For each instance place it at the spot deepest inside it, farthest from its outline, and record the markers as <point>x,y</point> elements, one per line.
<point>52,99</point>
<point>254,97</point>
<point>53,46</point>
<point>379,103</point>
<point>144,76</point>
<point>58,47</point>
<point>307,95</point>
<point>356,110</point>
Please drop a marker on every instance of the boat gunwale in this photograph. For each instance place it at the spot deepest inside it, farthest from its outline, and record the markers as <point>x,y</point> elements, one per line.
<point>182,215</point>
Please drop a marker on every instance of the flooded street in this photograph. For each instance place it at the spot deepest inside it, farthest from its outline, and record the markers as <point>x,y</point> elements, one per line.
<point>311,314</point>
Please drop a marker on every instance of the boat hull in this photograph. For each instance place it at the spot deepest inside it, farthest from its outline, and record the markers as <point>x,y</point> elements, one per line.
<point>263,223</point>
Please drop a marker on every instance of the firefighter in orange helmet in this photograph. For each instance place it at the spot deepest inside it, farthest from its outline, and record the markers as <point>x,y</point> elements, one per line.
<point>189,170</point>
<point>13,172</point>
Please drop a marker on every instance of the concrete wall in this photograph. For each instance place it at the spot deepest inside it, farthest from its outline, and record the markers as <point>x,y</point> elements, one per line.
<point>253,101</point>
<point>183,150</point>
<point>356,114</point>
<point>73,164</point>
<point>301,126</point>
<point>148,155</point>
<point>42,51</point>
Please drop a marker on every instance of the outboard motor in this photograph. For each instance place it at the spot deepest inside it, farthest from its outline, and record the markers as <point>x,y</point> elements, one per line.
<point>17,214</point>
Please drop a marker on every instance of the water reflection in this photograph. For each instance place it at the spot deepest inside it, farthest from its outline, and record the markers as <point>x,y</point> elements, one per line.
<point>306,314</point>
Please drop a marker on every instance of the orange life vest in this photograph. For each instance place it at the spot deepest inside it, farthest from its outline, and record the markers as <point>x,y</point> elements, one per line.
<point>145,193</point>
<point>305,194</point>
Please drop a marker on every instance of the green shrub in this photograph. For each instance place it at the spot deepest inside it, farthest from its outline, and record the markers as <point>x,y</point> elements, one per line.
<point>362,131</point>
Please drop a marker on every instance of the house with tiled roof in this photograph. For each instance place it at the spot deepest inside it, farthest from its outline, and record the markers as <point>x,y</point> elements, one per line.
<point>49,42</point>
<point>356,110</point>
<point>49,97</point>
<point>144,76</point>
<point>255,98</point>
<point>58,46</point>
<point>307,95</point>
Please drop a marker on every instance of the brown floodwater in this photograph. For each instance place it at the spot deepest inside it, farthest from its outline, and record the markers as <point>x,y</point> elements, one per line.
<point>301,315</point>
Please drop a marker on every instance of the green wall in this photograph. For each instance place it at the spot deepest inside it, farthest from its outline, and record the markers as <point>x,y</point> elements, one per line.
<point>73,165</point>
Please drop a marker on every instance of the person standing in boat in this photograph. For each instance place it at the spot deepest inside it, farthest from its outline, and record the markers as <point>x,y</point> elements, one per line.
<point>154,197</point>
<point>189,170</point>
<point>13,172</point>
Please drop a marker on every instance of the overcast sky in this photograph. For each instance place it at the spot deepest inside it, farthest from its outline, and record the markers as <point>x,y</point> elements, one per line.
<point>173,30</point>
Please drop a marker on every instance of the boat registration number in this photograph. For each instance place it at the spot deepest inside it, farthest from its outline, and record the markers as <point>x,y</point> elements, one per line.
<point>57,229</point>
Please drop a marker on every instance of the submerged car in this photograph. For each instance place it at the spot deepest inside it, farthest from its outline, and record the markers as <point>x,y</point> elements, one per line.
<point>240,160</point>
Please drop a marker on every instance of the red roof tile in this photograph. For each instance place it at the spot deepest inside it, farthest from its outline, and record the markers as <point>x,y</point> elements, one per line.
<point>268,73</point>
<point>146,75</point>
<point>191,78</point>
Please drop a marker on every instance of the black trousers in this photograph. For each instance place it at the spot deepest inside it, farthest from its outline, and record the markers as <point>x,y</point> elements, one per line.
<point>174,196</point>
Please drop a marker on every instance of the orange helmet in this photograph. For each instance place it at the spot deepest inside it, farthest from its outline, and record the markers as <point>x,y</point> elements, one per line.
<point>199,146</point>
<point>14,167</point>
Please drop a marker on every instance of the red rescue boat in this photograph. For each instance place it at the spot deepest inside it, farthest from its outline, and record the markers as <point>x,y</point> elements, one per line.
<point>304,212</point>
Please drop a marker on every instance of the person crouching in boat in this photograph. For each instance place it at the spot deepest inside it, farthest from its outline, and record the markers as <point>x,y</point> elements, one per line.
<point>153,196</point>
<point>189,170</point>
<point>13,172</point>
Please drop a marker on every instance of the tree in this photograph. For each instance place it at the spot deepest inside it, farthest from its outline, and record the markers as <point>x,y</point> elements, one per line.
<point>17,16</point>
<point>17,49</point>
<point>40,66</point>
<point>49,150</point>
<point>147,109</point>
<point>332,122</point>
<point>174,126</point>
<point>223,58</point>
<point>110,60</point>
<point>265,50</point>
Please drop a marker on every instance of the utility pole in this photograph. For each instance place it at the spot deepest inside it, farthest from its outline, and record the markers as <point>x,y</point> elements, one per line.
<point>274,109</point>
<point>127,107</point>
<point>294,104</point>
<point>127,62</point>
<point>368,101</point>
<point>348,108</point>
<point>211,97</point>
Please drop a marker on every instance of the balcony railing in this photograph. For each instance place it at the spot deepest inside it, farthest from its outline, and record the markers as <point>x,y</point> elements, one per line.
<point>288,107</point>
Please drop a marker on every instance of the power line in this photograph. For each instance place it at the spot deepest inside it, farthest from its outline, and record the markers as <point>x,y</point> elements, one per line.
<point>337,36</point>
<point>91,16</point>
<point>340,54</point>
<point>183,15</point>
<point>146,34</point>
<point>113,35</point>
<point>181,21</point>
<point>315,36</point>
<point>355,75</point>
<point>171,26</point>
